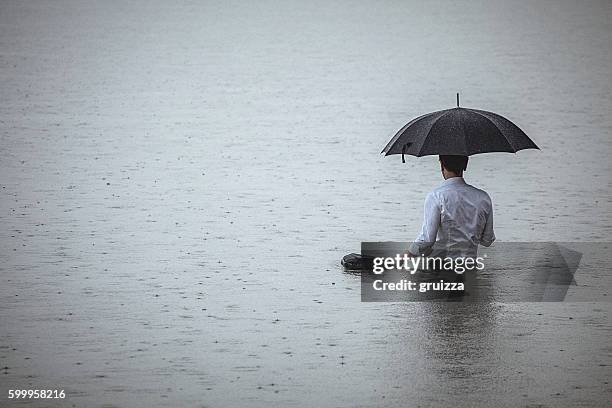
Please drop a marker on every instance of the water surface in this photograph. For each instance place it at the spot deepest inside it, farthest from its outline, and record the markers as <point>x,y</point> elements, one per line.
<point>180,179</point>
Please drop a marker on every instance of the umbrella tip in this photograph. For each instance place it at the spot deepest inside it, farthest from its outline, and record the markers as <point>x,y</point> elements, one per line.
<point>457,99</point>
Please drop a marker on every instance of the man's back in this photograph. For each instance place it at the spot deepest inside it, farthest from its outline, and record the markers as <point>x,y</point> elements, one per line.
<point>457,217</point>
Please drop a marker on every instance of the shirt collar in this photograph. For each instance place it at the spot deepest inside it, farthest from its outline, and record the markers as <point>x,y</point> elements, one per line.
<point>453,180</point>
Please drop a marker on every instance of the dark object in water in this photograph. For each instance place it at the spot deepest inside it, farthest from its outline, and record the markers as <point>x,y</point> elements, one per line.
<point>357,261</point>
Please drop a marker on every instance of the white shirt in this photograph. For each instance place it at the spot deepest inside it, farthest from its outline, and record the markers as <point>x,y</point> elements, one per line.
<point>457,218</point>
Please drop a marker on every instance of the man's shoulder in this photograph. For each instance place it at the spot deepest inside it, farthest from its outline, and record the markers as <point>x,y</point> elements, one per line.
<point>479,190</point>
<point>483,195</point>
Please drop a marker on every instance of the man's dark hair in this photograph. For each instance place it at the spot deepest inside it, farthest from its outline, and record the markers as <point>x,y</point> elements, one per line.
<point>456,164</point>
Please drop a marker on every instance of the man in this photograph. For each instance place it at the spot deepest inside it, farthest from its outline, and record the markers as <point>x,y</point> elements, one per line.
<point>458,217</point>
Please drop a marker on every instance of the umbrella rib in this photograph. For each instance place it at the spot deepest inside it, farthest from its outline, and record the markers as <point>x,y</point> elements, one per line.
<point>496,127</point>
<point>465,148</point>
<point>418,153</point>
<point>400,132</point>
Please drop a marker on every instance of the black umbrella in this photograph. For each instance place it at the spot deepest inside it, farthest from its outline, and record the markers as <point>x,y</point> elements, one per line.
<point>458,131</point>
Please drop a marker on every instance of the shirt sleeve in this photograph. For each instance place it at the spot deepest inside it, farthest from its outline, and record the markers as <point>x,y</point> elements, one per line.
<point>431,223</point>
<point>488,236</point>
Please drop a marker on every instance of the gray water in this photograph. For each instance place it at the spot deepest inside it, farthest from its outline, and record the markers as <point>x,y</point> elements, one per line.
<point>180,179</point>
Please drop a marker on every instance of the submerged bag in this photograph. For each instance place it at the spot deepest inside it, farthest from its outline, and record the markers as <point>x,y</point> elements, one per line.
<point>357,261</point>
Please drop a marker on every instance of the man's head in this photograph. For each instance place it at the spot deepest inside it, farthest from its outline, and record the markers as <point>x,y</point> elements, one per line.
<point>453,166</point>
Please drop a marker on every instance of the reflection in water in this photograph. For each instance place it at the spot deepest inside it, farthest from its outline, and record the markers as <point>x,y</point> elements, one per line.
<point>462,337</point>
<point>438,351</point>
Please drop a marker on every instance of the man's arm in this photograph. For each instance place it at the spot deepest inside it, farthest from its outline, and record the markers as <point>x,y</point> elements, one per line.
<point>488,236</point>
<point>431,222</point>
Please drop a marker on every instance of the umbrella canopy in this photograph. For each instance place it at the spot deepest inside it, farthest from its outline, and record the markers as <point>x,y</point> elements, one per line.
<point>458,131</point>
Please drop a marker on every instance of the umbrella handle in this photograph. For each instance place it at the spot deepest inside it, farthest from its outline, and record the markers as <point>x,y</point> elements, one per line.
<point>403,151</point>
